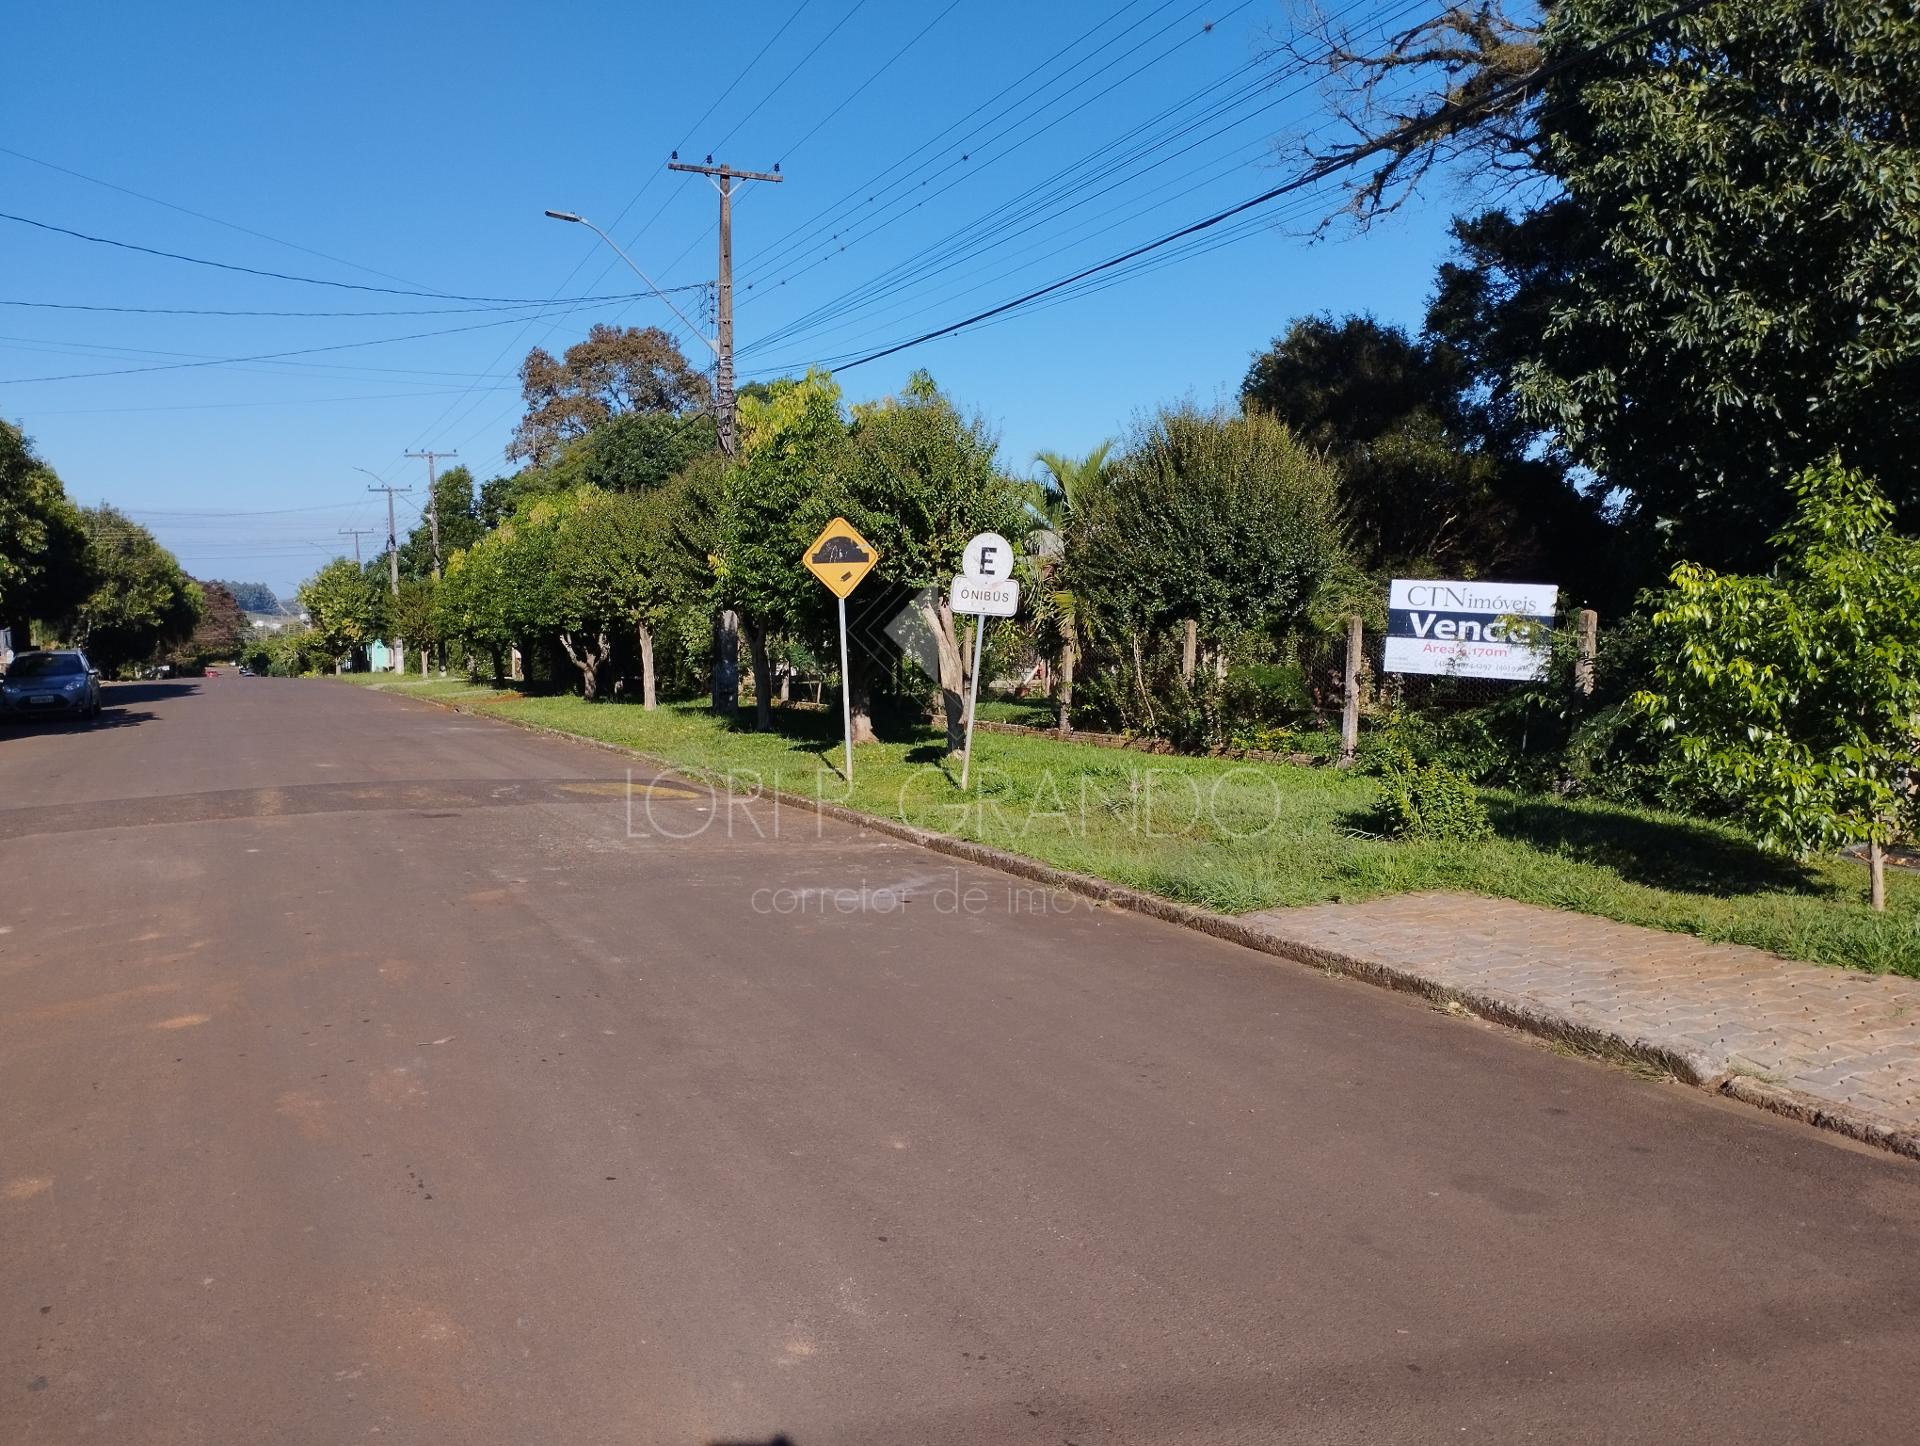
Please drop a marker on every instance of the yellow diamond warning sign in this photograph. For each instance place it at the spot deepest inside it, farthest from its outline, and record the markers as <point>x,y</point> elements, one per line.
<point>840,557</point>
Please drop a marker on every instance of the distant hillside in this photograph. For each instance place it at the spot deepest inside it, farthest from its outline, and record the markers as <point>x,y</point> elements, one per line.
<point>254,597</point>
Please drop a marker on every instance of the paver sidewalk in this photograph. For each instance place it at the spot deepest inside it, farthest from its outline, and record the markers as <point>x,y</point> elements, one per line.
<point>1830,1045</point>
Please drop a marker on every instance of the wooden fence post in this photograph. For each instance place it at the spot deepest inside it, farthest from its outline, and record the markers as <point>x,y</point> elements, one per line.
<point>1589,645</point>
<point>1350,711</point>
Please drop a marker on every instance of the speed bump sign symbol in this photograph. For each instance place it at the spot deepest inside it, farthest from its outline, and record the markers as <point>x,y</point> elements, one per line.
<point>840,557</point>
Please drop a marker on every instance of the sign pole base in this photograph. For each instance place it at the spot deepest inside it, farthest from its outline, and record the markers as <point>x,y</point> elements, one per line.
<point>973,699</point>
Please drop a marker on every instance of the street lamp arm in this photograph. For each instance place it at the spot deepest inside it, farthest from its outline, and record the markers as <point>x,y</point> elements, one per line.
<point>569,216</point>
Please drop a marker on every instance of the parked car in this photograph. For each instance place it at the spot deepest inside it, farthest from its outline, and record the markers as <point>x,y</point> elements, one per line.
<point>59,683</point>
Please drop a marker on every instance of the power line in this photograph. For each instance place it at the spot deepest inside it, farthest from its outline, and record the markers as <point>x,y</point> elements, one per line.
<point>274,402</point>
<point>611,300</point>
<point>799,65</point>
<point>1017,218</point>
<point>200,215</point>
<point>861,88</point>
<point>1445,114</point>
<point>272,275</point>
<point>786,242</point>
<point>443,421</point>
<point>1056,98</point>
<point>262,356</point>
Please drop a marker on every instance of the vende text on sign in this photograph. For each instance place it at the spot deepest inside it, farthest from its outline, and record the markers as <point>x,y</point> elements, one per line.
<point>1469,629</point>
<point>993,597</point>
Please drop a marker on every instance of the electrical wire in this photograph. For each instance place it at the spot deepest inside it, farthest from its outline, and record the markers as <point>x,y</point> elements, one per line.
<point>265,356</point>
<point>202,216</point>
<point>1001,227</point>
<point>1312,175</point>
<point>272,275</point>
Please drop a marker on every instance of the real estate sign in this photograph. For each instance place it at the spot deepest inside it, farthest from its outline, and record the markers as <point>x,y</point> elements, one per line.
<point>1469,629</point>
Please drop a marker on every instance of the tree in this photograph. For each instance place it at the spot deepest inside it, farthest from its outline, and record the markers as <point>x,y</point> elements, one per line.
<point>414,617</point>
<point>1427,484</point>
<point>460,524</point>
<point>1796,696</point>
<point>1723,268</point>
<point>613,371</point>
<point>222,630</point>
<point>45,565</point>
<point>345,607</point>
<point>773,504</point>
<point>142,603</point>
<point>918,479</point>
<point>253,597</point>
<point>1069,482</point>
<point>470,603</point>
<point>636,451</point>
<point>1214,523</point>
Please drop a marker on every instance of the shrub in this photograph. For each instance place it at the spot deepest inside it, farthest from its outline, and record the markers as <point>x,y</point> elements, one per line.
<point>1460,742</point>
<point>1431,801</point>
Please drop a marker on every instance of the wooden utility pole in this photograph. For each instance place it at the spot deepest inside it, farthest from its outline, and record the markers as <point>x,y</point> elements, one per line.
<point>726,624</point>
<point>393,563</point>
<point>356,533</point>
<point>723,178</point>
<point>433,502</point>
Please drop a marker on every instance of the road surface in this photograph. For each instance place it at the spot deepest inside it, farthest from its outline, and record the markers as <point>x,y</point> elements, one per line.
<point>375,1073</point>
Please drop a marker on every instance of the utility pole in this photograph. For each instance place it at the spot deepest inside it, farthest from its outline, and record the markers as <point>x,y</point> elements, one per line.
<point>726,626</point>
<point>393,546</point>
<point>433,503</point>
<point>723,178</point>
<point>393,562</point>
<point>356,533</point>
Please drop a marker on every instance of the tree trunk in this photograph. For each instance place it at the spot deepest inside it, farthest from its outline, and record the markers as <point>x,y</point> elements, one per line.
<point>757,652</point>
<point>423,662</point>
<point>648,698</point>
<point>1140,680</point>
<point>337,668</point>
<point>1189,650</point>
<point>953,667</point>
<point>786,685</point>
<point>1877,875</point>
<point>1069,656</point>
<point>587,657</point>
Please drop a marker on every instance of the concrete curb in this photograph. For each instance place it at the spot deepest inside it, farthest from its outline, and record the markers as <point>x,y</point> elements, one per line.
<point>1691,1067</point>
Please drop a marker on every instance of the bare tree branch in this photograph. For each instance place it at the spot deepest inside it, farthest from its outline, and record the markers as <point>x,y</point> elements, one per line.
<point>1452,89</point>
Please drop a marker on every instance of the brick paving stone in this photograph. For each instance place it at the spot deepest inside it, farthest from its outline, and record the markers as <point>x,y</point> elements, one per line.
<point>1846,1041</point>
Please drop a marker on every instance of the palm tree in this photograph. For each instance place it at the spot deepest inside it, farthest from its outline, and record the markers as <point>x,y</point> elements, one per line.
<point>1067,482</point>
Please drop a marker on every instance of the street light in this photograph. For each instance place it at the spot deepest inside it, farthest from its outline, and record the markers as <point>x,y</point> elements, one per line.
<point>577,220</point>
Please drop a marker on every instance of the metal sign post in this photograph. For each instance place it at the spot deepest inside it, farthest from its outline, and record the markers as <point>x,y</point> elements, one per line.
<point>846,693</point>
<point>840,557</point>
<point>986,589</point>
<point>973,698</point>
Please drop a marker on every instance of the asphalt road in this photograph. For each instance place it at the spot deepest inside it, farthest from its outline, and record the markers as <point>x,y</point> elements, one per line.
<point>373,1073</point>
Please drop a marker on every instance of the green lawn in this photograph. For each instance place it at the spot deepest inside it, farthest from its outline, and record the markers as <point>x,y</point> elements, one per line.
<point>1244,836</point>
<point>1030,712</point>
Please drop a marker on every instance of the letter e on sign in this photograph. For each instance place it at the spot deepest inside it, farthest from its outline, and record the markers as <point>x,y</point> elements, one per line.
<point>988,555</point>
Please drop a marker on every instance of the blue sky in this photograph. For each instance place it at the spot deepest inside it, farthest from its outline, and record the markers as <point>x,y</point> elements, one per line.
<point>414,147</point>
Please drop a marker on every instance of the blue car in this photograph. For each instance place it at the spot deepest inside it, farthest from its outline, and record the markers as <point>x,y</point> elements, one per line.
<point>50,684</point>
